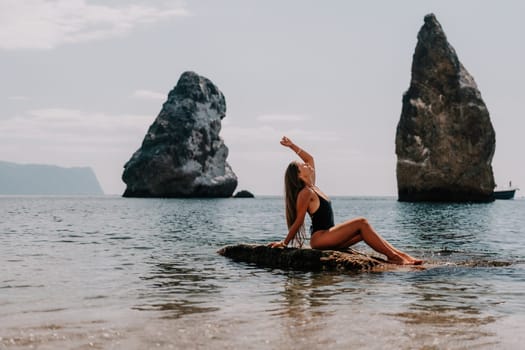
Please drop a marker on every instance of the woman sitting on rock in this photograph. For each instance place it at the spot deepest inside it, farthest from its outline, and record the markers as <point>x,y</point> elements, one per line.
<point>303,196</point>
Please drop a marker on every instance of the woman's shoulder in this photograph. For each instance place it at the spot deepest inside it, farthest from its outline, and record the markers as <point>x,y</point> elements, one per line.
<point>306,192</point>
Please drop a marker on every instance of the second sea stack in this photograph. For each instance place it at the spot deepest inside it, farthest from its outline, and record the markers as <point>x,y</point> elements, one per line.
<point>445,140</point>
<point>182,154</point>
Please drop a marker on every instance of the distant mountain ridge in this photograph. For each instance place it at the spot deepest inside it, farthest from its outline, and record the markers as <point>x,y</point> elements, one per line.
<point>43,179</point>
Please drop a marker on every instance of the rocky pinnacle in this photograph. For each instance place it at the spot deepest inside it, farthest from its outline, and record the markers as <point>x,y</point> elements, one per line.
<point>445,140</point>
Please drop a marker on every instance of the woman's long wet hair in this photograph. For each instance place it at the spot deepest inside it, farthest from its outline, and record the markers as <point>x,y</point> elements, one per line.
<point>292,186</point>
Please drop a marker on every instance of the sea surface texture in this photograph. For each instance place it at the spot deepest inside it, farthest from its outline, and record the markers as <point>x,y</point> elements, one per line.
<point>115,273</point>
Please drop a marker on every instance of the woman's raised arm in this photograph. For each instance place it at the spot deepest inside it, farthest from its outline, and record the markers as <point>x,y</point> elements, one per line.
<point>305,156</point>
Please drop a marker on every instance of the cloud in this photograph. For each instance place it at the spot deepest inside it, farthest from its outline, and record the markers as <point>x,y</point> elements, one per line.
<point>17,98</point>
<point>46,24</point>
<point>150,95</point>
<point>71,128</point>
<point>282,118</point>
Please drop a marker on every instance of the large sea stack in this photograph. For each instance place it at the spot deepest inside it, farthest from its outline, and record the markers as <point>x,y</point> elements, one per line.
<point>445,140</point>
<point>182,154</point>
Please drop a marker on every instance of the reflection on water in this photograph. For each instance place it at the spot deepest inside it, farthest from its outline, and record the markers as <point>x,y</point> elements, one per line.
<point>450,308</point>
<point>435,222</point>
<point>450,232</point>
<point>178,290</point>
<point>305,294</point>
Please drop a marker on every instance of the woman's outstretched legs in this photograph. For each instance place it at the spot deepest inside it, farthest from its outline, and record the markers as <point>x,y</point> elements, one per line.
<point>351,232</point>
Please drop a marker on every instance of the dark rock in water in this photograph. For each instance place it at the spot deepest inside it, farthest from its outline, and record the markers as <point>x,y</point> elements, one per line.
<point>40,179</point>
<point>182,154</point>
<point>302,259</point>
<point>486,263</point>
<point>244,194</point>
<point>445,140</point>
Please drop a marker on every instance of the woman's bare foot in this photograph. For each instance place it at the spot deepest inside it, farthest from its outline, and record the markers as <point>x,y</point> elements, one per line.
<point>417,261</point>
<point>412,260</point>
<point>398,260</point>
<point>404,259</point>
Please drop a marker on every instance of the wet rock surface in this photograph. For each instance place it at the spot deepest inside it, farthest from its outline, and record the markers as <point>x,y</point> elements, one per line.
<point>302,259</point>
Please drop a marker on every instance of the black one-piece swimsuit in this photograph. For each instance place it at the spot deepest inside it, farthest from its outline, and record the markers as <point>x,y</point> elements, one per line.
<point>323,218</point>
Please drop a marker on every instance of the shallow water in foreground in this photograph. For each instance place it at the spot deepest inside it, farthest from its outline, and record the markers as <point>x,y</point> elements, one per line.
<point>115,273</point>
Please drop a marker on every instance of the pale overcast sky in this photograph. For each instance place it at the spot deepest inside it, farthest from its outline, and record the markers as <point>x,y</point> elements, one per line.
<point>81,81</point>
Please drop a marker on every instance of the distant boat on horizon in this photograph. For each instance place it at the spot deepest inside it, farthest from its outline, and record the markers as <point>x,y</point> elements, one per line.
<point>507,193</point>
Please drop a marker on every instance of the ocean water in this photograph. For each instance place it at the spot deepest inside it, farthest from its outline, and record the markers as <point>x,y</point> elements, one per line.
<point>113,273</point>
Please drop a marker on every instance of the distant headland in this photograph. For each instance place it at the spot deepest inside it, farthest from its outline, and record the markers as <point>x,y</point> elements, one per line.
<point>39,179</point>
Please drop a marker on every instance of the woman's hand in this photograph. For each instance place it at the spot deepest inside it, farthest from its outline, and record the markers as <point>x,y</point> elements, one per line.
<point>276,245</point>
<point>286,142</point>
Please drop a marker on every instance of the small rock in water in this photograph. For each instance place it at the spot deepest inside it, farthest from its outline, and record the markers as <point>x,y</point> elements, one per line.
<point>244,194</point>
